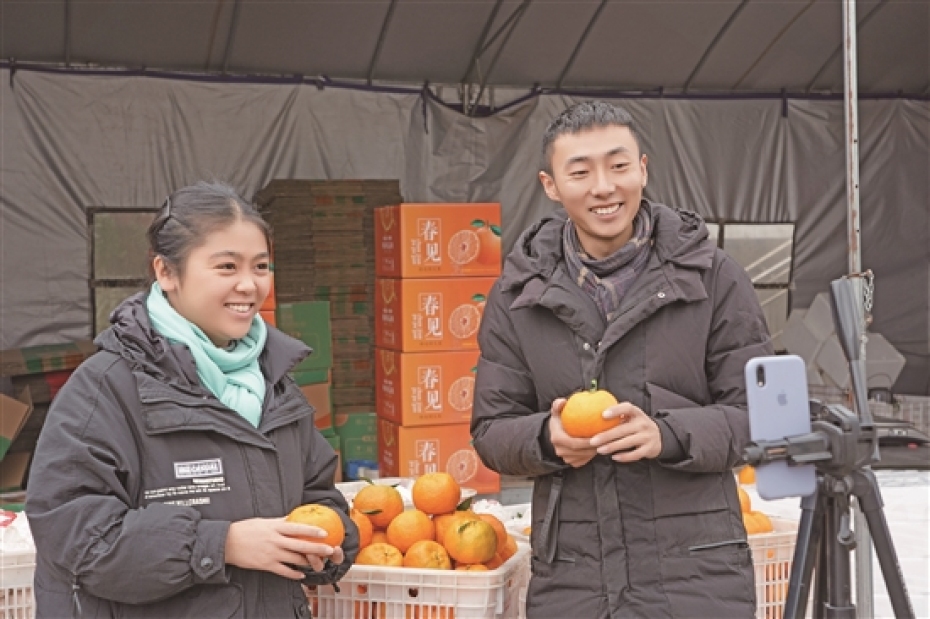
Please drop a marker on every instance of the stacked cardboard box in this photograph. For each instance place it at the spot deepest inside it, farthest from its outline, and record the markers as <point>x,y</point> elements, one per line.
<point>324,251</point>
<point>435,264</point>
<point>35,375</point>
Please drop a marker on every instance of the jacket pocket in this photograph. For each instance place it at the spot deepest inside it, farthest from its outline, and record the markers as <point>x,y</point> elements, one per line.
<point>202,601</point>
<point>661,398</point>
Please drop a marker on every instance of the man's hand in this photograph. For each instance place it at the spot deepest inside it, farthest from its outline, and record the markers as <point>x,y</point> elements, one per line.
<point>576,452</point>
<point>637,438</point>
<point>270,544</point>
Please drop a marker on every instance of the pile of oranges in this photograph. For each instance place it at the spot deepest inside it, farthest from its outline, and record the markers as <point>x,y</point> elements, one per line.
<point>755,522</point>
<point>435,534</point>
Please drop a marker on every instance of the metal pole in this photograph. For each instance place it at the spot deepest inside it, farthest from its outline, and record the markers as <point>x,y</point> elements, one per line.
<point>864,593</point>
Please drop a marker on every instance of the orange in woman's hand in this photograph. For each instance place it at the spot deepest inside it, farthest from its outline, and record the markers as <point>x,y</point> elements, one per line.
<point>323,517</point>
<point>581,416</point>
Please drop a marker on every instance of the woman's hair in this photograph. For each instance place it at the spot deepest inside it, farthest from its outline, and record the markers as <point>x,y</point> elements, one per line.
<point>190,214</point>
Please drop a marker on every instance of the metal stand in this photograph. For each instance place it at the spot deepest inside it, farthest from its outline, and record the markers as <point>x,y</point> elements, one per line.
<point>840,448</point>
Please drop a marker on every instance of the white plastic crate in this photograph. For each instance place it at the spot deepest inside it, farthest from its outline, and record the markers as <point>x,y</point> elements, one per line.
<point>771,555</point>
<point>373,592</point>
<point>16,573</point>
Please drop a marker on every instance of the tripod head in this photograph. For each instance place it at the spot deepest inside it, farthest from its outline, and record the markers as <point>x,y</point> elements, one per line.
<point>840,441</point>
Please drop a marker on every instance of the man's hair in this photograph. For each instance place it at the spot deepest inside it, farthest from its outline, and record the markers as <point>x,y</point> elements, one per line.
<point>581,117</point>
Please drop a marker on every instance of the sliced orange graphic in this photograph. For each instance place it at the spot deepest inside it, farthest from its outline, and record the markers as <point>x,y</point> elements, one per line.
<point>461,392</point>
<point>464,247</point>
<point>464,321</point>
<point>462,465</point>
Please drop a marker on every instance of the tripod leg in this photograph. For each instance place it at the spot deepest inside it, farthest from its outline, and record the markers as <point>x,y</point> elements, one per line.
<point>837,541</point>
<point>865,488</point>
<point>806,550</point>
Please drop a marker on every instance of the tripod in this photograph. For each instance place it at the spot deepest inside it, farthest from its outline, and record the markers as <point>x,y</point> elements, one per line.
<point>841,446</point>
<point>837,446</point>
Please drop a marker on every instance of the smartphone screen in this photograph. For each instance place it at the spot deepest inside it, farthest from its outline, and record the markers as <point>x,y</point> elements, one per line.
<point>776,391</point>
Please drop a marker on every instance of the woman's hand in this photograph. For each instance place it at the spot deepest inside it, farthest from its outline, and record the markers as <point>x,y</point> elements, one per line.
<point>272,545</point>
<point>576,452</point>
<point>636,438</point>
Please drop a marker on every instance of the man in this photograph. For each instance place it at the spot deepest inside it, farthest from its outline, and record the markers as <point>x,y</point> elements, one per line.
<point>642,520</point>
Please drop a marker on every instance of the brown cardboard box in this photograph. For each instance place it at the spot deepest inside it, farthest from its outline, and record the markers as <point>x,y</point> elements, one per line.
<point>13,414</point>
<point>320,397</point>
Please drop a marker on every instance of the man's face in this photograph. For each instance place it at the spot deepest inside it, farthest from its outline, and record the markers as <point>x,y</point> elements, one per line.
<point>598,175</point>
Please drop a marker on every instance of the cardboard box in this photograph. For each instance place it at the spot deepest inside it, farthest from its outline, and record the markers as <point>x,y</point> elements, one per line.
<point>430,315</point>
<point>312,377</point>
<point>358,435</point>
<point>410,452</point>
<point>334,443</point>
<point>13,415</point>
<point>438,240</point>
<point>320,396</point>
<point>38,359</point>
<point>13,471</point>
<point>309,322</point>
<point>419,389</point>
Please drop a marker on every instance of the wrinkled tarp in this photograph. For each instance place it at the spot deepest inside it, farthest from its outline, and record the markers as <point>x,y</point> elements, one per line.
<point>72,141</point>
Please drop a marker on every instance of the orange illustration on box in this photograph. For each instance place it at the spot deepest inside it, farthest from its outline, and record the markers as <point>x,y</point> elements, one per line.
<point>430,315</point>
<point>413,451</point>
<point>415,389</point>
<point>438,240</point>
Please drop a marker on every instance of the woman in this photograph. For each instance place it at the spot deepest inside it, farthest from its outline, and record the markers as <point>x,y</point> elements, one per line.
<point>168,461</point>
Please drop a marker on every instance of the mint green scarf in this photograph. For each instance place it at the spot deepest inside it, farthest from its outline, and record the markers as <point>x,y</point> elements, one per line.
<point>232,375</point>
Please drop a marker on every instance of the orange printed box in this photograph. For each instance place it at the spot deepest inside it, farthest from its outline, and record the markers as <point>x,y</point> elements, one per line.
<point>438,240</point>
<point>409,452</point>
<point>418,388</point>
<point>269,317</point>
<point>429,315</point>
<point>320,397</point>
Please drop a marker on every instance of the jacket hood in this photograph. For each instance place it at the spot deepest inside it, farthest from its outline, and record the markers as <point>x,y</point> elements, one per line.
<point>132,336</point>
<point>679,237</point>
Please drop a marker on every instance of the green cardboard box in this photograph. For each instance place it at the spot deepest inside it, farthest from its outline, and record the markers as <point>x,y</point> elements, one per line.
<point>309,322</point>
<point>358,435</point>
<point>312,377</point>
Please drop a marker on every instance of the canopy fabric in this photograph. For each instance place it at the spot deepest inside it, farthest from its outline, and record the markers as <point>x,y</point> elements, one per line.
<point>693,46</point>
<point>71,142</point>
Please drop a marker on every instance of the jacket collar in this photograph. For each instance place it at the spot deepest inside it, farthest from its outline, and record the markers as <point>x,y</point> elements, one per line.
<point>534,269</point>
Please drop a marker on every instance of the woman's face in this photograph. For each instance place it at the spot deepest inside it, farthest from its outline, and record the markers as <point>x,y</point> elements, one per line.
<point>224,282</point>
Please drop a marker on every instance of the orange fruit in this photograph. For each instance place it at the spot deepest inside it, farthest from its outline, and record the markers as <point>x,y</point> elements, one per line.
<point>509,548</point>
<point>381,503</point>
<point>471,541</point>
<point>464,321</point>
<point>472,567</point>
<point>745,502</point>
<point>462,465</point>
<point>444,521</point>
<point>495,562</point>
<point>747,475</point>
<point>378,536</point>
<point>461,393</point>
<point>427,554</point>
<point>489,244</point>
<point>756,523</point>
<point>436,493</point>
<point>365,528</point>
<point>498,527</point>
<point>581,416</point>
<point>380,554</point>
<point>464,246</point>
<point>408,527</point>
<point>323,517</point>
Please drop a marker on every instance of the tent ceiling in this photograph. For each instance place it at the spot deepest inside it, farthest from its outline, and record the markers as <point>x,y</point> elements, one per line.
<point>698,46</point>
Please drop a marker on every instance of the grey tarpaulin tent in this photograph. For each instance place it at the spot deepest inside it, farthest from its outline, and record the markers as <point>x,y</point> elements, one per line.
<point>114,104</point>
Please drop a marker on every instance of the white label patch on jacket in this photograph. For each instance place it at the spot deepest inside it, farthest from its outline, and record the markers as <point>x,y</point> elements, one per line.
<point>198,468</point>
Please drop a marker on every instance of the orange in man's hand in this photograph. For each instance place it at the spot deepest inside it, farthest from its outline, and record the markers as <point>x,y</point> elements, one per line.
<point>323,517</point>
<point>581,416</point>
<point>436,493</point>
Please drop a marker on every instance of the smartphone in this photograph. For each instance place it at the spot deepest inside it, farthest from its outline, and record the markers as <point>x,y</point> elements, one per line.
<point>776,391</point>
